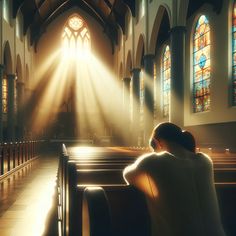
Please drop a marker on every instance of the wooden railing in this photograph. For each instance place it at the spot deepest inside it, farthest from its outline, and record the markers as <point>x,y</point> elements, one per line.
<point>15,154</point>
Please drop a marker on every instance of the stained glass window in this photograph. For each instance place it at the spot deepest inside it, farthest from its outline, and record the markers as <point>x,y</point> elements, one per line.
<point>234,56</point>
<point>130,25</point>
<point>19,24</point>
<point>141,8</point>
<point>4,94</point>
<point>141,99</point>
<point>76,37</point>
<point>15,97</point>
<point>155,90</point>
<point>201,65</point>
<point>131,98</point>
<point>165,75</point>
<point>6,10</point>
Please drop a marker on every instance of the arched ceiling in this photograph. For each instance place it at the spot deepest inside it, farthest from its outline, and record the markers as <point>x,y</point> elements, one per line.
<point>38,14</point>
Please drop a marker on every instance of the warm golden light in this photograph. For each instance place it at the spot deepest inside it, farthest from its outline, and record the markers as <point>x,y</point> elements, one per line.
<point>73,83</point>
<point>75,39</point>
<point>84,152</point>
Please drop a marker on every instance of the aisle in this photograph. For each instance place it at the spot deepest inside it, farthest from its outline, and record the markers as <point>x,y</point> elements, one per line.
<point>26,198</point>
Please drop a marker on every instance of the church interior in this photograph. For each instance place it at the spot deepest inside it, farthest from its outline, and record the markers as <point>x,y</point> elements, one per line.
<point>83,84</point>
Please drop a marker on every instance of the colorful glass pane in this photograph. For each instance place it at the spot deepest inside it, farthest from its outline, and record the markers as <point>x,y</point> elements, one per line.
<point>141,100</point>
<point>165,74</point>
<point>155,90</point>
<point>234,56</point>
<point>4,95</point>
<point>6,10</point>
<point>15,98</point>
<point>201,65</point>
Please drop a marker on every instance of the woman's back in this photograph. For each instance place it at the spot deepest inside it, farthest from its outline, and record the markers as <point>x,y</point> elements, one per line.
<point>185,200</point>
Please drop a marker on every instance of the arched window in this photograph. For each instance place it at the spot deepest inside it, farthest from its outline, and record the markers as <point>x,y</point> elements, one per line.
<point>19,25</point>
<point>201,65</point>
<point>141,8</point>
<point>4,94</point>
<point>6,10</point>
<point>165,77</point>
<point>155,89</point>
<point>76,37</point>
<point>141,99</point>
<point>234,55</point>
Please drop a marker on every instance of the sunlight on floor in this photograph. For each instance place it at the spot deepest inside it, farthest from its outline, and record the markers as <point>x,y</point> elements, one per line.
<point>27,216</point>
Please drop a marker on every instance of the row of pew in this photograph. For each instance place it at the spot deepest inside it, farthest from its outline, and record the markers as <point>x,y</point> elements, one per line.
<point>82,172</point>
<point>91,177</point>
<point>15,154</point>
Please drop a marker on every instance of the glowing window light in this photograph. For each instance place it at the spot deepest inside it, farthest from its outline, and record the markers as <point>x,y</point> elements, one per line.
<point>19,24</point>
<point>4,95</point>
<point>6,10</point>
<point>155,90</point>
<point>142,98</point>
<point>201,65</point>
<point>165,76</point>
<point>142,8</point>
<point>15,97</point>
<point>234,56</point>
<point>75,38</point>
<point>131,100</point>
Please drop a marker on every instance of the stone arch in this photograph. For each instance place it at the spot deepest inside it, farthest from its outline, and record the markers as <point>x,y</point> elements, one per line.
<point>7,58</point>
<point>161,13</point>
<point>140,51</point>
<point>128,66</point>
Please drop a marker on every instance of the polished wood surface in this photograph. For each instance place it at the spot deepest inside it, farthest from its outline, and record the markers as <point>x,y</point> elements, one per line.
<point>26,197</point>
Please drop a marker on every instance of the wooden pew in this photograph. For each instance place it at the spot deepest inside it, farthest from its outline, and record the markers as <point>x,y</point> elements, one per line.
<point>73,177</point>
<point>77,181</point>
<point>123,211</point>
<point>76,172</point>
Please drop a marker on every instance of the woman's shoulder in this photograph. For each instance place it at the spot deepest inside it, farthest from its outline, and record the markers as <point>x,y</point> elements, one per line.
<point>203,156</point>
<point>156,157</point>
<point>203,160</point>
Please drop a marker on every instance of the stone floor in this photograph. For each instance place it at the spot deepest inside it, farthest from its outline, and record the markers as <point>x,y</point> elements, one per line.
<point>27,197</point>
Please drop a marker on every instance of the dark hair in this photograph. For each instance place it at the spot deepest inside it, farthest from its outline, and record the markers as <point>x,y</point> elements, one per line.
<point>188,141</point>
<point>173,133</point>
<point>167,131</point>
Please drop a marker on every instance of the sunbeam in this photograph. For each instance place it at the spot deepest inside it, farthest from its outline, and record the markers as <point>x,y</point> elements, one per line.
<point>79,97</point>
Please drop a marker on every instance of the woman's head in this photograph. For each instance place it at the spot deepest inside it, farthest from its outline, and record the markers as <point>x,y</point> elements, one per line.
<point>188,141</point>
<point>170,133</point>
<point>167,132</point>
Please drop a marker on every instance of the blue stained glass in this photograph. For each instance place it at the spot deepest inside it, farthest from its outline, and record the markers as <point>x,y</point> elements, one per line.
<point>202,61</point>
<point>234,54</point>
<point>166,82</point>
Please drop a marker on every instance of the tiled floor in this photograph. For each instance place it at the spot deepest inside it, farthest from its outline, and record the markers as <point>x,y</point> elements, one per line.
<point>26,197</point>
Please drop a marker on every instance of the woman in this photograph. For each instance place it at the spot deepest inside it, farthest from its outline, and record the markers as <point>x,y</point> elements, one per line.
<point>178,184</point>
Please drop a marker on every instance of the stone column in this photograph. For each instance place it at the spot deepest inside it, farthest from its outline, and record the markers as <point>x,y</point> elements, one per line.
<point>11,107</point>
<point>136,105</point>
<point>149,96</point>
<point>29,106</point>
<point>20,109</point>
<point>177,48</point>
<point>126,110</point>
<point>1,120</point>
<point>126,95</point>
